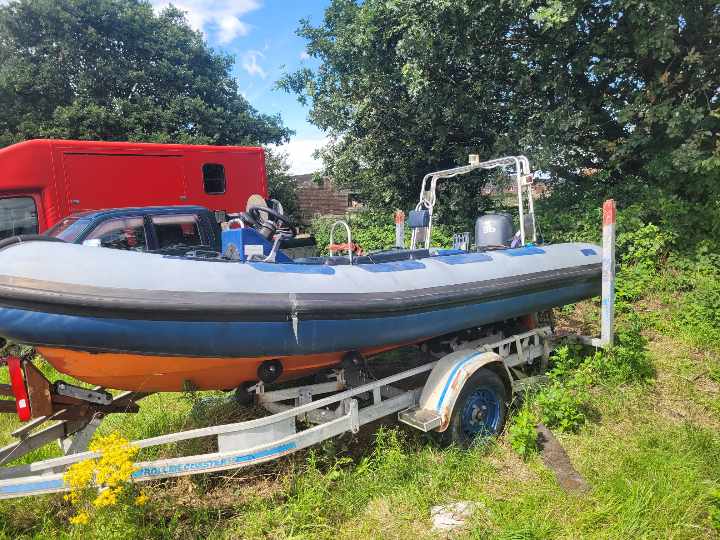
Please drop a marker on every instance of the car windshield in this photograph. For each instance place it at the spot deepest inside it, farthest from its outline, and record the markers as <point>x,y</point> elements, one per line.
<point>68,229</point>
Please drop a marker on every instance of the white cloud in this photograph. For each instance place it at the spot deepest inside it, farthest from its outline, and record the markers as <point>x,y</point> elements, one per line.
<point>250,63</point>
<point>304,55</point>
<point>222,17</point>
<point>300,154</point>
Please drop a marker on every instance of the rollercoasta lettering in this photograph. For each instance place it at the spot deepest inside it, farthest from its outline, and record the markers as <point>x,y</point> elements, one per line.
<point>210,464</point>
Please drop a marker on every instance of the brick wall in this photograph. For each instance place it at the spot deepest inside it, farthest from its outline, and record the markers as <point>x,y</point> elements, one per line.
<point>319,199</point>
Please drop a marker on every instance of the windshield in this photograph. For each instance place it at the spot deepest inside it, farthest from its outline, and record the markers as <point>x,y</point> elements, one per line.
<point>68,229</point>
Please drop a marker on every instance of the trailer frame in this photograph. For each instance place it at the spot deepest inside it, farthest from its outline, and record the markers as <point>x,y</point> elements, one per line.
<point>345,408</point>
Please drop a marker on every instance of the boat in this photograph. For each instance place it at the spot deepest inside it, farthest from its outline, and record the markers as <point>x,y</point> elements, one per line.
<point>151,322</point>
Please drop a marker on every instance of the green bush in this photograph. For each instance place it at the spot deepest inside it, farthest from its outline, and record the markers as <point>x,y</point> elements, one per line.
<point>646,246</point>
<point>641,253</point>
<point>561,404</point>
<point>372,231</point>
<point>564,402</point>
<point>628,361</point>
<point>522,432</point>
<point>572,212</point>
<point>566,359</point>
<point>698,312</point>
<point>562,407</point>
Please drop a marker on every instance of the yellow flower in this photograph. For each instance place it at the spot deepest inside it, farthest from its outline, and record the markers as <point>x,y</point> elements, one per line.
<point>110,472</point>
<point>81,519</point>
<point>107,497</point>
<point>79,475</point>
<point>141,499</point>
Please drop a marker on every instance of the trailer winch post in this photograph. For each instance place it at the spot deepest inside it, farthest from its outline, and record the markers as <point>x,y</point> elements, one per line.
<point>607,316</point>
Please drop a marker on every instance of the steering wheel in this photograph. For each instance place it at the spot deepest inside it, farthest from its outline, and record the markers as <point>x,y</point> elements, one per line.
<point>254,212</point>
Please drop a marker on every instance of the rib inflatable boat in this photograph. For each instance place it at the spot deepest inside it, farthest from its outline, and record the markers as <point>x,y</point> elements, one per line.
<point>153,322</point>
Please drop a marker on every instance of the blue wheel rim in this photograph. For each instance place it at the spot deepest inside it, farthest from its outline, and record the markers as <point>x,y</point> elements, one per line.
<point>481,413</point>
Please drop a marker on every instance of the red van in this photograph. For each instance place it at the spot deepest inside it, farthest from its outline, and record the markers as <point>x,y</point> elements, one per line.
<point>42,181</point>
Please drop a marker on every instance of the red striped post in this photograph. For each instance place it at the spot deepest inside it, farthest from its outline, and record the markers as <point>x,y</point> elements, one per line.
<point>607,317</point>
<point>400,228</point>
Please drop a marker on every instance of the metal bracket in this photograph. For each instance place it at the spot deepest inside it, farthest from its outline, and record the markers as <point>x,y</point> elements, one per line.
<point>81,440</point>
<point>100,397</point>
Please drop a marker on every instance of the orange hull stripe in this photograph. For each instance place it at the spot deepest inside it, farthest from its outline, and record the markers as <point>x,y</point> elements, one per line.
<point>170,373</point>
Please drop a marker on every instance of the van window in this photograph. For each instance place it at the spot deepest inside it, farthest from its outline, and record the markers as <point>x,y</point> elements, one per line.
<point>127,234</point>
<point>177,230</point>
<point>214,178</point>
<point>18,215</point>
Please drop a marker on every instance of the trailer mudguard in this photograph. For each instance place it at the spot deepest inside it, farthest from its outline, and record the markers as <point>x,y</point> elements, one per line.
<point>450,374</point>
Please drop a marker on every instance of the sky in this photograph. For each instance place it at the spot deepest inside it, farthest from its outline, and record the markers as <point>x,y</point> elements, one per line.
<point>260,34</point>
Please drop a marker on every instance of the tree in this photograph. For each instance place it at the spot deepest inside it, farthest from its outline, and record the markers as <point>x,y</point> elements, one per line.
<point>114,70</point>
<point>623,87</point>
<point>281,184</point>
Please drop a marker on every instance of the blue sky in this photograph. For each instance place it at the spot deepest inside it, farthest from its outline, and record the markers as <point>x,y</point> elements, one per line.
<point>260,34</point>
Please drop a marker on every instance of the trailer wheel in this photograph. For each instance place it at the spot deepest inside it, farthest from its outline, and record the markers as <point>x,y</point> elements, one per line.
<point>480,410</point>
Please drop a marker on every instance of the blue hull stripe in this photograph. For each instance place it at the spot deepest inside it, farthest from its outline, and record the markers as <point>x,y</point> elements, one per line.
<point>278,338</point>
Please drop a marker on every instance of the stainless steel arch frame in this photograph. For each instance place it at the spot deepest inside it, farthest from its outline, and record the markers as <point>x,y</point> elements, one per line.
<point>523,179</point>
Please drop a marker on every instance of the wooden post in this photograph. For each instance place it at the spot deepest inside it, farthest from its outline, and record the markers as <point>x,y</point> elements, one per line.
<point>399,228</point>
<point>608,275</point>
<point>39,392</point>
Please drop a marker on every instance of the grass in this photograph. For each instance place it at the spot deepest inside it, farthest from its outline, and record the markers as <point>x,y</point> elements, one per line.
<point>649,448</point>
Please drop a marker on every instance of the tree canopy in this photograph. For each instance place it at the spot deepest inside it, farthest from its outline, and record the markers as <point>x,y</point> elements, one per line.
<point>115,70</point>
<point>281,184</point>
<point>620,89</point>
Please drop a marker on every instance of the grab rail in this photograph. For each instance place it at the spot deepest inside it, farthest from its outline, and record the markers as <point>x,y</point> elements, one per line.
<point>349,238</point>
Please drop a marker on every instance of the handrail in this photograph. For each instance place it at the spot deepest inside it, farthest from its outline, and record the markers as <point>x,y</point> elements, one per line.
<point>349,237</point>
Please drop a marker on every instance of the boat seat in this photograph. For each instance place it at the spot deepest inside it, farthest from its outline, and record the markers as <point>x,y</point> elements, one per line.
<point>294,242</point>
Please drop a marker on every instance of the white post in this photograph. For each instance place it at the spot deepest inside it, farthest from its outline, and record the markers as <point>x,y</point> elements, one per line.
<point>400,228</point>
<point>608,275</point>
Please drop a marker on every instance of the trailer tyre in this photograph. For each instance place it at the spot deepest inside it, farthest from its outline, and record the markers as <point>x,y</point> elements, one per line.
<point>480,410</point>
